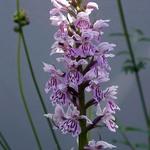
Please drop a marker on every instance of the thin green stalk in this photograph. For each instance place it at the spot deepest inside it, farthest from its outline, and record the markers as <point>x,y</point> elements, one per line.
<point>37,87</point>
<point>4,141</point>
<point>35,81</point>
<point>138,80</point>
<point>2,145</point>
<point>24,101</point>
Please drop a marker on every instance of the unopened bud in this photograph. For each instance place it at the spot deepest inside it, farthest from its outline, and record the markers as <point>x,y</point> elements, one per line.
<point>21,18</point>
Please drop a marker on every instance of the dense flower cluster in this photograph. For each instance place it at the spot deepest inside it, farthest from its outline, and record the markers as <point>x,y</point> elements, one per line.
<point>78,41</point>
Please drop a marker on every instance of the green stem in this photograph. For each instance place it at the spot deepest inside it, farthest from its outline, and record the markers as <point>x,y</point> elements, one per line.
<point>35,81</point>
<point>37,87</point>
<point>83,136</point>
<point>128,41</point>
<point>24,101</point>
<point>4,141</point>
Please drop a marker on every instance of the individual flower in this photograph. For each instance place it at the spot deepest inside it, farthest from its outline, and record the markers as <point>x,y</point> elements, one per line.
<point>52,70</point>
<point>58,19</point>
<point>67,122</point>
<point>100,24</point>
<point>59,5</point>
<point>102,62</point>
<point>90,7</point>
<point>97,93</point>
<point>55,77</point>
<point>107,118</point>
<point>109,121</point>
<point>62,32</point>
<point>104,48</point>
<point>110,93</point>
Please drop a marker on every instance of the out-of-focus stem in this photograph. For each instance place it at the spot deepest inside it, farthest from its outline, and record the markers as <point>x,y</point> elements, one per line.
<point>34,79</point>
<point>128,41</point>
<point>4,141</point>
<point>2,145</point>
<point>23,96</point>
<point>37,87</point>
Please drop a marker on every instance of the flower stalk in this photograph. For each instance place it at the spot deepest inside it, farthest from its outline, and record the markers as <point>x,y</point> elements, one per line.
<point>83,136</point>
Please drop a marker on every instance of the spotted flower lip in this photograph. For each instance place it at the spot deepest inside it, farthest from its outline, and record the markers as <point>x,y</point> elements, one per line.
<point>87,49</point>
<point>111,107</point>
<point>74,78</point>
<point>83,22</point>
<point>51,84</point>
<point>60,96</point>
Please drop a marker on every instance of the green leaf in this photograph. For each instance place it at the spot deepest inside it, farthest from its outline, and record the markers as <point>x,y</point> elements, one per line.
<point>129,69</point>
<point>128,66</point>
<point>139,31</point>
<point>141,65</point>
<point>133,129</point>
